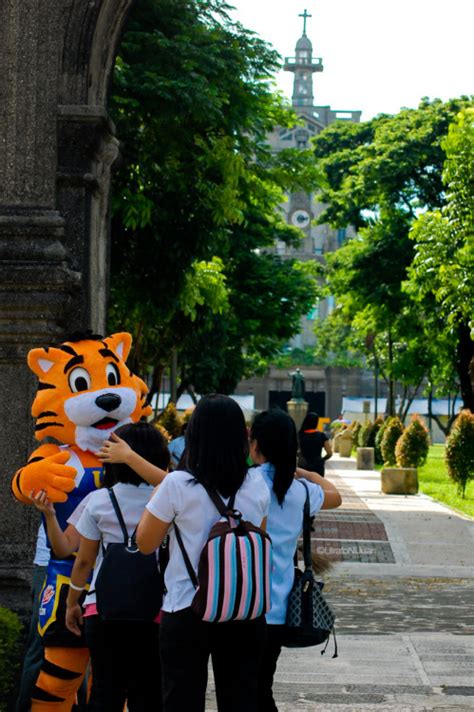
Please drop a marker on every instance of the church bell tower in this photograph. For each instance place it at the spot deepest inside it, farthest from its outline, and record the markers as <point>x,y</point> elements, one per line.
<point>303,66</point>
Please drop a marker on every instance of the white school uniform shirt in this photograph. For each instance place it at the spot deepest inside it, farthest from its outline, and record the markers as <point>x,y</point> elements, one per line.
<point>284,525</point>
<point>182,499</point>
<point>99,522</point>
<point>42,551</point>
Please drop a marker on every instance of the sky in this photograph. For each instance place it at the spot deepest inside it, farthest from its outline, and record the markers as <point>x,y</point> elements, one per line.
<point>378,55</point>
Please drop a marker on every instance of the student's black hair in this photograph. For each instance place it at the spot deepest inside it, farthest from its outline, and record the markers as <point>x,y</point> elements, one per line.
<point>217,444</point>
<point>147,441</point>
<point>275,433</point>
<point>310,422</point>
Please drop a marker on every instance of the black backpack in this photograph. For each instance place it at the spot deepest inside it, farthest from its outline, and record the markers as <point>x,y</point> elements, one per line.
<point>129,585</point>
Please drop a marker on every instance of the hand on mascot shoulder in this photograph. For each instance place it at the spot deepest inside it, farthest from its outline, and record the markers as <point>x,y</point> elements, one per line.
<point>85,392</point>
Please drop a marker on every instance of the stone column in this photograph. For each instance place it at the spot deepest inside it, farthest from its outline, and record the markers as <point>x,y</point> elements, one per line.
<point>87,149</point>
<point>56,150</point>
<point>36,281</point>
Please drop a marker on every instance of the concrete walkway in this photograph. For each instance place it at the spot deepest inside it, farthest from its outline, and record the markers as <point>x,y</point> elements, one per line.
<point>402,589</point>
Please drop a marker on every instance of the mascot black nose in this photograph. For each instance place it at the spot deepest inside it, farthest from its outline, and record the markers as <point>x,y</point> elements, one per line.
<point>108,402</point>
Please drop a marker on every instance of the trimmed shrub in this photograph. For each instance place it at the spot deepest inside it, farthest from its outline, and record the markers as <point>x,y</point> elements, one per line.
<point>355,427</point>
<point>364,434</point>
<point>412,447</point>
<point>378,440</point>
<point>373,432</point>
<point>460,450</point>
<point>187,414</point>
<point>170,420</point>
<point>336,426</point>
<point>392,433</point>
<point>163,431</point>
<point>10,631</point>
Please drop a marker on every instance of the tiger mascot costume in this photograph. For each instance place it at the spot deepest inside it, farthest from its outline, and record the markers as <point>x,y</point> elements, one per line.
<point>85,392</point>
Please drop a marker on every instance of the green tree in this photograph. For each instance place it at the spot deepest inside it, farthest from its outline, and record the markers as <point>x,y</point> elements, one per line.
<point>392,432</point>
<point>441,274</point>
<point>412,447</point>
<point>170,420</point>
<point>374,316</point>
<point>394,162</point>
<point>378,176</point>
<point>193,103</point>
<point>460,450</point>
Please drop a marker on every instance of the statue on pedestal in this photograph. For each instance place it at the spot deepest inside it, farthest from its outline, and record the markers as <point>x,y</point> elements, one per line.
<point>297,406</point>
<point>298,386</point>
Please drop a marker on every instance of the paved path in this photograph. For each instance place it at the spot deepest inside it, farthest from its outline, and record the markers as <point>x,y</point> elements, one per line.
<point>402,589</point>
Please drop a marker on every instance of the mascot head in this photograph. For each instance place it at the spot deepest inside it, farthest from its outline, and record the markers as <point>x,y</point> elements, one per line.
<point>85,390</point>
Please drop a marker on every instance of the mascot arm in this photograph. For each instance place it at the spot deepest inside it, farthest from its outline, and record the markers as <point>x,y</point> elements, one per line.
<point>45,470</point>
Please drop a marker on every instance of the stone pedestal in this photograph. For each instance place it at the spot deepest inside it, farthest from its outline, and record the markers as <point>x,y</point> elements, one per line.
<point>297,409</point>
<point>345,443</point>
<point>365,458</point>
<point>399,480</point>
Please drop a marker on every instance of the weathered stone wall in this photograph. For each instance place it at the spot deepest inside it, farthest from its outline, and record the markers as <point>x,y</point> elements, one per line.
<point>57,147</point>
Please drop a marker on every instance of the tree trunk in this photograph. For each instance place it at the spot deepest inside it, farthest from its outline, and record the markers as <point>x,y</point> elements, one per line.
<point>156,386</point>
<point>465,356</point>
<point>376,387</point>
<point>174,376</point>
<point>409,398</point>
<point>135,356</point>
<point>391,394</point>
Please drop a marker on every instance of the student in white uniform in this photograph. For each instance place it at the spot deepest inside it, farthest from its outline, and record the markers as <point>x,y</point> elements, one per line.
<point>34,653</point>
<point>216,454</point>
<point>124,654</point>
<point>273,447</point>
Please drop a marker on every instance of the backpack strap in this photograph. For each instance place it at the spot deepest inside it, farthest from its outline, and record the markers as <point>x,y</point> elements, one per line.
<point>306,529</point>
<point>187,561</point>
<point>223,509</point>
<point>127,540</point>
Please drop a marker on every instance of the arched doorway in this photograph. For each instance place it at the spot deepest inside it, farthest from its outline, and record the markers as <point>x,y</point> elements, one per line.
<point>56,153</point>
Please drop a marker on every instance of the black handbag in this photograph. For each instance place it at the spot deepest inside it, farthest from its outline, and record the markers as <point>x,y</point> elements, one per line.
<point>309,619</point>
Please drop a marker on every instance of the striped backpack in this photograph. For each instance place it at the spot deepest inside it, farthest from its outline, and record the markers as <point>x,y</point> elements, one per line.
<point>233,579</point>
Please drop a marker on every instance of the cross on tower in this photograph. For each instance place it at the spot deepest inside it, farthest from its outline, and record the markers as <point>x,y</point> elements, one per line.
<point>305,16</point>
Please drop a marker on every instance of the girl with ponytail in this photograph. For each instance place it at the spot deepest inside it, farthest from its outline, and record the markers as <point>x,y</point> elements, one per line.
<point>273,448</point>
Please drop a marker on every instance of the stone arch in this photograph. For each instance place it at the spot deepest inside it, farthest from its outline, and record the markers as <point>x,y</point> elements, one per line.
<point>56,152</point>
<point>91,34</point>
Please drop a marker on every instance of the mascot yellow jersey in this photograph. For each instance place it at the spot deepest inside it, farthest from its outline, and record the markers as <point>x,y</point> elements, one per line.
<point>85,392</point>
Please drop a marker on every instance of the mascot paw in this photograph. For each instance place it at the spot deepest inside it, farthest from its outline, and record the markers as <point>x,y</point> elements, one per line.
<point>50,474</point>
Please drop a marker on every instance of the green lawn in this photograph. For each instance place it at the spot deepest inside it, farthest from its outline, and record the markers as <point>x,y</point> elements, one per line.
<point>433,480</point>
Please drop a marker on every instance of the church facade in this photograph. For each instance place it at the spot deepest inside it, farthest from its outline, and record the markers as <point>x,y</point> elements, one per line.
<point>302,209</point>
<point>326,387</point>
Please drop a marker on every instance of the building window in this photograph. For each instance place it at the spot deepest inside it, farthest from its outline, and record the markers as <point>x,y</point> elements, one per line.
<point>341,235</point>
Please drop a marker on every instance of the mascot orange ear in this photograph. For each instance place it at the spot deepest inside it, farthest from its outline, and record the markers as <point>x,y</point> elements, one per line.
<point>42,360</point>
<point>120,343</point>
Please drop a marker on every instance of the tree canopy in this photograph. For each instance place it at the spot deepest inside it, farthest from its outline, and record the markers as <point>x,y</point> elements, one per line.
<point>196,196</point>
<point>441,273</point>
<point>381,176</point>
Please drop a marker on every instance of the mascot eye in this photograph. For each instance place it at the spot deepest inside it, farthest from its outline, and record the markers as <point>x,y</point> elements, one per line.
<point>79,380</point>
<point>113,375</point>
